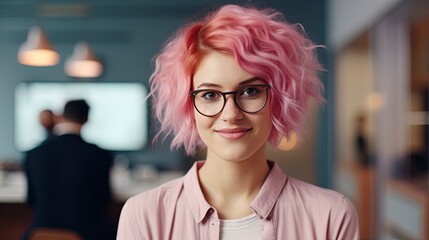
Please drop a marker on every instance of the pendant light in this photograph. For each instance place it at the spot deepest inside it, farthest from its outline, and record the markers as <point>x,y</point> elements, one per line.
<point>83,63</point>
<point>37,50</point>
<point>288,144</point>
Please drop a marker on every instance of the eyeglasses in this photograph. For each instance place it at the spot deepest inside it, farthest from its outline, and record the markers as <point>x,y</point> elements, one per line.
<point>249,99</point>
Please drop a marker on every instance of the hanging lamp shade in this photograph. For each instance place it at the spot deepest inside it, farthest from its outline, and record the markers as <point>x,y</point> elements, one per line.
<point>37,50</point>
<point>83,63</point>
<point>288,144</point>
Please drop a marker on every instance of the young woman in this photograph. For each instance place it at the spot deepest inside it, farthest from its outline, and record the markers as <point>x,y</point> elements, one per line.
<point>230,83</point>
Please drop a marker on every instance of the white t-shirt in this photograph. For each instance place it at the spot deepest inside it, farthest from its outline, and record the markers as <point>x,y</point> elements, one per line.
<point>249,228</point>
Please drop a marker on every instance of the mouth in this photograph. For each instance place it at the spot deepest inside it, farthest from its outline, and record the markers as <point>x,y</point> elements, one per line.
<point>233,133</point>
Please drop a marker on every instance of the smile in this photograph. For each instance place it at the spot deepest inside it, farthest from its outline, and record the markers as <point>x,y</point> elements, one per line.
<point>233,133</point>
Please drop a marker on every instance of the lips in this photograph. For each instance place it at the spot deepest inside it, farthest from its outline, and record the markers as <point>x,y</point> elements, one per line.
<point>233,133</point>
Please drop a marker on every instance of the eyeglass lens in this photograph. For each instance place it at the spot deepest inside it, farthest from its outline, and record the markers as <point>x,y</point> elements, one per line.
<point>249,99</point>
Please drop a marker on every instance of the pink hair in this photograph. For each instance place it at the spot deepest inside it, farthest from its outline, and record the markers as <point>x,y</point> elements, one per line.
<point>262,43</point>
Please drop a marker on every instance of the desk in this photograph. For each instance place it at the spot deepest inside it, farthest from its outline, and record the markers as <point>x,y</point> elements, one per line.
<point>124,186</point>
<point>407,210</point>
<point>15,215</point>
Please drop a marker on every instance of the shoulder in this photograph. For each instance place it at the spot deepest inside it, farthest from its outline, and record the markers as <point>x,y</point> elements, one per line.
<point>98,149</point>
<point>308,190</point>
<point>311,195</point>
<point>142,214</point>
<point>323,207</point>
<point>43,147</point>
<point>88,147</point>
<point>52,143</point>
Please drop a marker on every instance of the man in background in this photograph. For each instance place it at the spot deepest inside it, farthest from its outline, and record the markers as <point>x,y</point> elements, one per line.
<point>68,179</point>
<point>48,119</point>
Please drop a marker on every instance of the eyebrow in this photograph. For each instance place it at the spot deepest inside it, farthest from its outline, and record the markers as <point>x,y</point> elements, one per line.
<point>252,79</point>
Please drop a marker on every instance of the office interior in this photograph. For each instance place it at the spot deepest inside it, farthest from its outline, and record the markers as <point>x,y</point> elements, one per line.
<point>369,141</point>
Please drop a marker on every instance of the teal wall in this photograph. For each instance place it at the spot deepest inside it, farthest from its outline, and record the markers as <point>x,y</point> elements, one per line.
<point>126,35</point>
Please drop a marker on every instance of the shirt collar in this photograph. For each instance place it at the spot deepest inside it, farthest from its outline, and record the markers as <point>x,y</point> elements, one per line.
<point>67,128</point>
<point>261,205</point>
<point>194,195</point>
<point>270,191</point>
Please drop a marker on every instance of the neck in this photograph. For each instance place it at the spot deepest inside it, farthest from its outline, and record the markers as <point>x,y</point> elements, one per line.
<point>230,186</point>
<point>67,128</point>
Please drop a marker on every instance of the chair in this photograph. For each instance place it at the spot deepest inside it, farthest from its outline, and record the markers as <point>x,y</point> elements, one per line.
<point>54,234</point>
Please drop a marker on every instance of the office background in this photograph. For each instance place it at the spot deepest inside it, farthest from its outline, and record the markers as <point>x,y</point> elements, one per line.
<point>377,67</point>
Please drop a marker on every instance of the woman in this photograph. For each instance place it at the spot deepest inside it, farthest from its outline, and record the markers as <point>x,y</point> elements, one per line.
<point>230,83</point>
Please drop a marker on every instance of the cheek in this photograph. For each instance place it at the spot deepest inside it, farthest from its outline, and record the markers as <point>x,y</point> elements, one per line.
<point>266,124</point>
<point>202,123</point>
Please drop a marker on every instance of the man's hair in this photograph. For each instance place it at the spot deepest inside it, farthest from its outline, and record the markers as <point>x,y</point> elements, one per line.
<point>76,111</point>
<point>262,43</point>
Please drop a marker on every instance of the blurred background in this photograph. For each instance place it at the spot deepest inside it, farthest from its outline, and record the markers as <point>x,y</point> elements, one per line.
<point>370,141</point>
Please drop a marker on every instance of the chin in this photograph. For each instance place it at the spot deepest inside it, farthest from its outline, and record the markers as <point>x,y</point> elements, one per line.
<point>234,154</point>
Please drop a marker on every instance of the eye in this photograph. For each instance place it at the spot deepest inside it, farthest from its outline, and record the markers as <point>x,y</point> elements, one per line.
<point>209,96</point>
<point>251,91</point>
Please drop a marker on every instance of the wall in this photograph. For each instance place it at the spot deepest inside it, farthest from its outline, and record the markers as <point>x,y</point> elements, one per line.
<point>355,77</point>
<point>349,18</point>
<point>125,46</point>
<point>126,36</point>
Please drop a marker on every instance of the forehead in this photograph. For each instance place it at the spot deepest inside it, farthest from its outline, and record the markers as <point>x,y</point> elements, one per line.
<point>219,69</point>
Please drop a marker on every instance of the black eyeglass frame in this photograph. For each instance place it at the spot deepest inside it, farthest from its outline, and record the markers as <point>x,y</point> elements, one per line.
<point>234,93</point>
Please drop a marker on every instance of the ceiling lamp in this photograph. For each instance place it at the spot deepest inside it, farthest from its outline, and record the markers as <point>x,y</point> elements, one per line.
<point>37,50</point>
<point>288,144</point>
<point>83,63</point>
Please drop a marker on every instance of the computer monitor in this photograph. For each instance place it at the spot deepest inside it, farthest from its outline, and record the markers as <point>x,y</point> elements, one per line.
<point>117,119</point>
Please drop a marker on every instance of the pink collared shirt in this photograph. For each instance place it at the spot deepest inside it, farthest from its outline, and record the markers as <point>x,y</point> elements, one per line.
<point>288,208</point>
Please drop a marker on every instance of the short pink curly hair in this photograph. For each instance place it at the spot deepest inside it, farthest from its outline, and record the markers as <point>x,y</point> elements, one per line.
<point>262,43</point>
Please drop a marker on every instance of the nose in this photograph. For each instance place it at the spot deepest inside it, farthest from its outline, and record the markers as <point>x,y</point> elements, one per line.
<point>231,112</point>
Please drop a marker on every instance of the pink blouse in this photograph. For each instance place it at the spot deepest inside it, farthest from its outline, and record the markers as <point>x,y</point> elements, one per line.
<point>288,208</point>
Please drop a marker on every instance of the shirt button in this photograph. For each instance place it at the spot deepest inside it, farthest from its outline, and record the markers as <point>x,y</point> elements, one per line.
<point>269,218</point>
<point>211,210</point>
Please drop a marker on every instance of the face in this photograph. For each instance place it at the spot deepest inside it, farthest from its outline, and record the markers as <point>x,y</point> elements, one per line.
<point>46,118</point>
<point>231,135</point>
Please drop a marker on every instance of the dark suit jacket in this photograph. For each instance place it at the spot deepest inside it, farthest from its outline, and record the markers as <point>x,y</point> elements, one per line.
<point>68,185</point>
